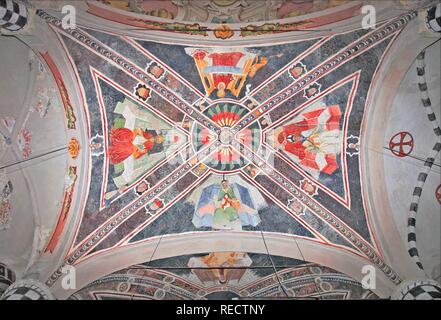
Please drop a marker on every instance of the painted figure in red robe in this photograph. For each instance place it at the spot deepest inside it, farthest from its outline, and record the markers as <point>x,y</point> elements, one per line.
<point>314,139</point>
<point>137,143</point>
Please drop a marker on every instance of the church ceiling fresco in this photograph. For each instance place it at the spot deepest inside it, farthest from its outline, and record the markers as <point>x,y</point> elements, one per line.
<point>223,11</point>
<point>249,276</point>
<point>197,139</point>
<point>220,19</point>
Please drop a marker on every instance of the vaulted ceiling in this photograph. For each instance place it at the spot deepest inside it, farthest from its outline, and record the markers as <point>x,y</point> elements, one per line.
<point>224,153</point>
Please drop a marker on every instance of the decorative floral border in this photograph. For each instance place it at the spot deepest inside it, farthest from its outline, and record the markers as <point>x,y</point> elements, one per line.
<point>70,116</point>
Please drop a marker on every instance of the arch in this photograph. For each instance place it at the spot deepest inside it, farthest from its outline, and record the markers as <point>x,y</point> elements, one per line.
<point>90,270</point>
<point>396,64</point>
<point>43,41</point>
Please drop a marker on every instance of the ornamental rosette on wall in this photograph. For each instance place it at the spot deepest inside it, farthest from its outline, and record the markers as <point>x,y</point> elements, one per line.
<point>223,32</point>
<point>73,148</point>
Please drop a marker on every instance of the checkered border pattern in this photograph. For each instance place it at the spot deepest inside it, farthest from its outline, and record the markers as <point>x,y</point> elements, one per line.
<point>24,293</point>
<point>433,18</point>
<point>27,290</point>
<point>422,176</point>
<point>7,277</point>
<point>420,290</point>
<point>13,15</point>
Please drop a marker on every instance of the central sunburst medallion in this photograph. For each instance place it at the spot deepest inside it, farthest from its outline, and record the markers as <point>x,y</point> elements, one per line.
<point>228,153</point>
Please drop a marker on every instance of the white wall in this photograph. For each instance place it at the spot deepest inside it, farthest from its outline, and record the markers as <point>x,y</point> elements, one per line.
<point>408,114</point>
<point>38,181</point>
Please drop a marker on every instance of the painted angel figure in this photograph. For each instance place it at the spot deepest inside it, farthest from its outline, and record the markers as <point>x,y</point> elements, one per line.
<point>225,69</point>
<point>228,207</point>
<point>220,266</point>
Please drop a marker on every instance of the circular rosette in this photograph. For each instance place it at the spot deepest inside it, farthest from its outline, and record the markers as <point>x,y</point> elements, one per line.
<point>233,150</point>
